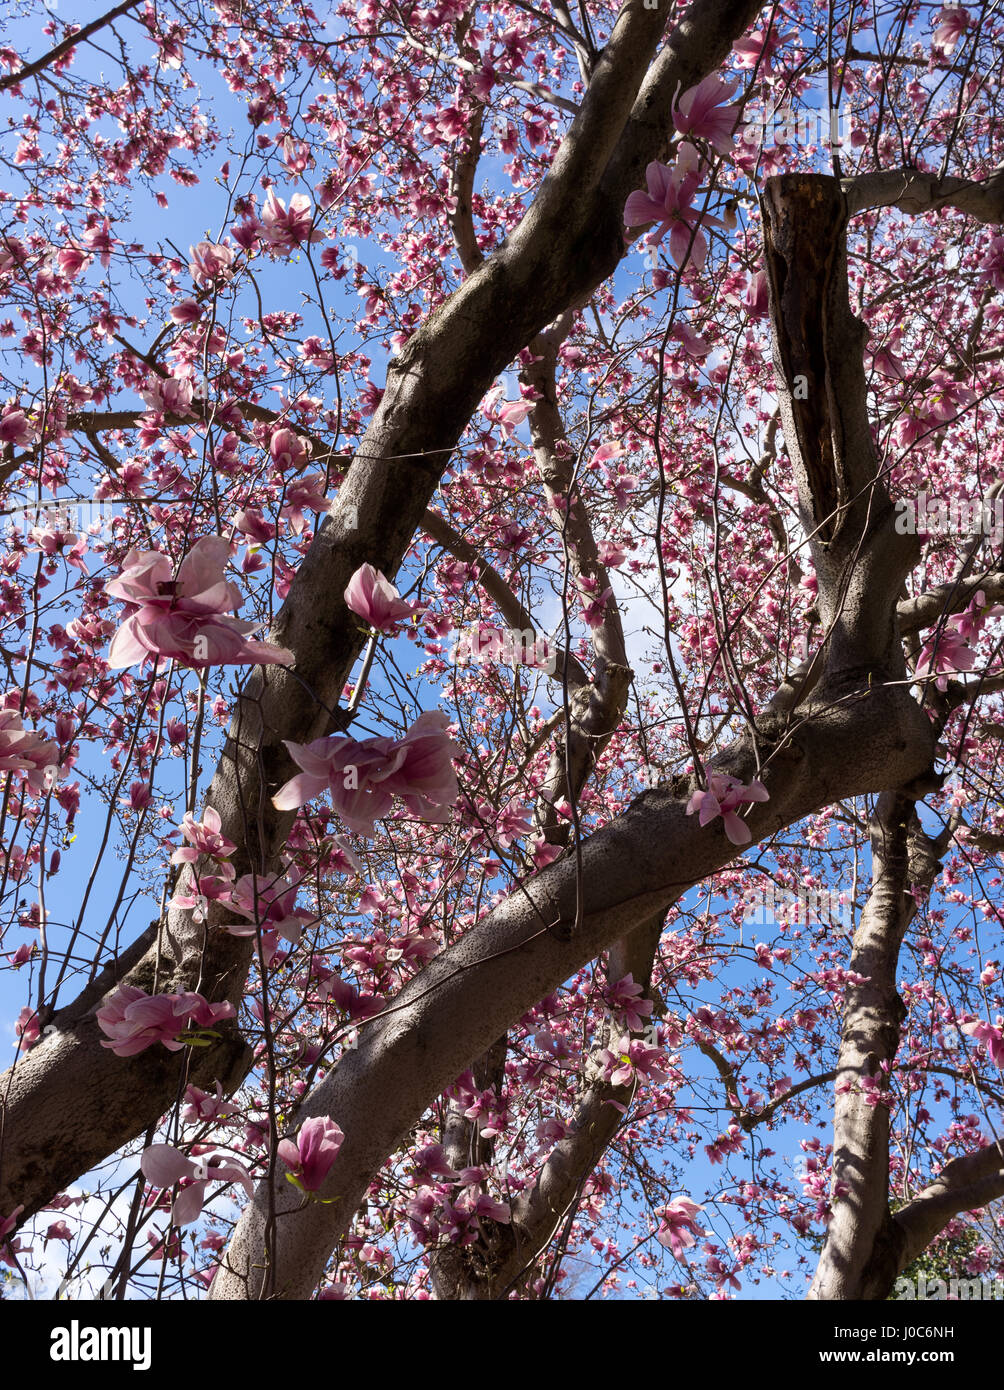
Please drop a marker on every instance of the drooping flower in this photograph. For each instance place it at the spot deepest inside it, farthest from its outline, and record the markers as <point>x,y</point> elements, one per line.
<point>181,617</point>
<point>362,778</point>
<point>134,1020</point>
<point>948,653</point>
<point>669,202</point>
<point>722,798</point>
<point>702,111</point>
<point>163,1165</point>
<point>310,1158</point>
<point>22,751</point>
<point>371,594</point>
<point>15,427</point>
<point>508,415</point>
<point>305,494</point>
<point>757,50</point>
<point>952,22</point>
<point>992,1039</point>
<point>678,1226</point>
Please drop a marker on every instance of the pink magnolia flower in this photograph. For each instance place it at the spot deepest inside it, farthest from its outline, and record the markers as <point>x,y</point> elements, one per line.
<point>181,617</point>
<point>508,415</point>
<point>991,1038</point>
<point>969,624</point>
<point>610,553</point>
<point>624,999</point>
<point>362,778</point>
<point>270,904</point>
<point>305,494</point>
<point>288,450</point>
<point>631,1059</point>
<point>701,111</point>
<point>15,427</point>
<point>317,1143</point>
<point>203,838</point>
<point>72,260</point>
<point>755,300</point>
<point>948,653</point>
<point>162,1165</point>
<point>210,262</point>
<point>186,311</point>
<point>168,394</point>
<point>669,202</point>
<point>27,753</point>
<point>251,523</point>
<point>200,1105</point>
<point>134,1020</point>
<point>952,21</point>
<point>286,229</point>
<point>759,48</point>
<point>678,1226</point>
<point>722,798</point>
<point>26,1028</point>
<point>371,594</point>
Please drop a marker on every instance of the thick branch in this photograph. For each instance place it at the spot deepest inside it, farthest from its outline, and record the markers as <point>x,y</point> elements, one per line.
<point>915,192</point>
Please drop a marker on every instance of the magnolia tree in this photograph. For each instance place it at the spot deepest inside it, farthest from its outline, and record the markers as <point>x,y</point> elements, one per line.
<point>576,871</point>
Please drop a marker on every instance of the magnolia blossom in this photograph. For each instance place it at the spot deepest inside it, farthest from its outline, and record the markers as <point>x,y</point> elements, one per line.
<point>629,1060</point>
<point>269,904</point>
<point>162,1165</point>
<point>317,1143</point>
<point>134,1020</point>
<point>668,202</point>
<point>210,262</point>
<point>701,111</point>
<point>948,651</point>
<point>287,449</point>
<point>362,778</point>
<point>624,998</point>
<point>952,22</point>
<point>170,394</point>
<point>304,494</point>
<point>610,554</point>
<point>678,1227</point>
<point>992,1039</point>
<point>286,229</point>
<point>757,49</point>
<point>722,798</point>
<point>181,617</point>
<point>26,753</point>
<point>371,594</point>
<point>508,415</point>
<point>15,427</point>
<point>203,837</point>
